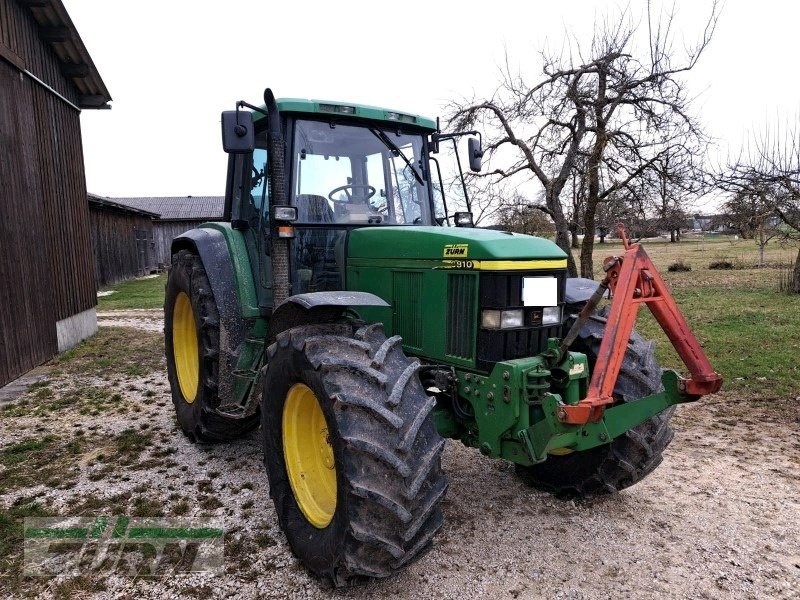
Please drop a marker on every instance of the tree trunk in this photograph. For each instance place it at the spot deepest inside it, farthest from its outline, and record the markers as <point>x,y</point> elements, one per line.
<point>795,287</point>
<point>672,236</point>
<point>587,248</point>
<point>562,230</point>
<point>573,232</point>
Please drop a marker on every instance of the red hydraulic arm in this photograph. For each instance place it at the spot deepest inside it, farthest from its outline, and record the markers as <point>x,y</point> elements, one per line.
<point>633,280</point>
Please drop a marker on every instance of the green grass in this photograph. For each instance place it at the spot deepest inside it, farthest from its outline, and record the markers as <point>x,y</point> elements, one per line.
<point>136,293</point>
<point>33,461</point>
<point>11,530</point>
<point>114,351</point>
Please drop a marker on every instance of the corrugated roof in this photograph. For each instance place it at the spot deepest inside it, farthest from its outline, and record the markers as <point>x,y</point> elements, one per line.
<point>179,208</point>
<point>102,201</point>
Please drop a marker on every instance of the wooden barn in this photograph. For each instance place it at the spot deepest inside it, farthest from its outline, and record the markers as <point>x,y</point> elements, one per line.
<point>122,240</point>
<point>176,214</point>
<point>47,279</point>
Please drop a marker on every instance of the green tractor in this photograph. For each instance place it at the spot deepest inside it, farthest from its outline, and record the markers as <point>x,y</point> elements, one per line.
<point>343,308</point>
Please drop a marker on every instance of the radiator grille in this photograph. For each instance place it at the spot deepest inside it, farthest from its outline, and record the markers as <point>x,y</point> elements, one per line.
<point>461,299</point>
<point>502,291</point>
<point>406,296</point>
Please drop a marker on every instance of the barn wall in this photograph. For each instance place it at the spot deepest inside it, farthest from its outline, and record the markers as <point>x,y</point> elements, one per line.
<point>46,270</point>
<point>20,43</point>
<point>163,234</point>
<point>119,252</point>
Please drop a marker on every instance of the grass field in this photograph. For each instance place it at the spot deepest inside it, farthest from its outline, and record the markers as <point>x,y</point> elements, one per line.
<point>136,293</point>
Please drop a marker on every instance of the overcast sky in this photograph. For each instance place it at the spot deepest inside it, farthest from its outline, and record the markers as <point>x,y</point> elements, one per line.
<point>172,66</point>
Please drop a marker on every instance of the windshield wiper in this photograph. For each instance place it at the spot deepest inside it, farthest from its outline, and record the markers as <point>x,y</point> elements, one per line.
<point>393,147</point>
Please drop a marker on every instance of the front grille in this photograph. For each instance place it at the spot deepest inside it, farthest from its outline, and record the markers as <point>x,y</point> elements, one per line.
<point>461,317</point>
<point>407,303</point>
<point>502,291</point>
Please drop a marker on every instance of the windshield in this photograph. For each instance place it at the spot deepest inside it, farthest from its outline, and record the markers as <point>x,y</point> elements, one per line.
<point>345,174</point>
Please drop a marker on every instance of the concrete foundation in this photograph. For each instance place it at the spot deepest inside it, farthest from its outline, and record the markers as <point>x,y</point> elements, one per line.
<point>76,328</point>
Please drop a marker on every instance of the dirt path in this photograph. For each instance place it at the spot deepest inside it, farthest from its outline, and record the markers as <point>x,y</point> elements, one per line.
<point>719,519</point>
<point>144,319</point>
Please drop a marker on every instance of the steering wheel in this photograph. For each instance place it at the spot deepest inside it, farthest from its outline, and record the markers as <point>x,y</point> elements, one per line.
<point>348,190</point>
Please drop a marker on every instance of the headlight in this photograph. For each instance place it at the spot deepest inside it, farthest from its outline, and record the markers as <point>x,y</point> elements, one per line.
<point>511,318</point>
<point>501,319</point>
<point>551,315</point>
<point>490,319</point>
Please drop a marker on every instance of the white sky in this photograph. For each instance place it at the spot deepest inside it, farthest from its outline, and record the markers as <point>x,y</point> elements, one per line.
<point>173,65</point>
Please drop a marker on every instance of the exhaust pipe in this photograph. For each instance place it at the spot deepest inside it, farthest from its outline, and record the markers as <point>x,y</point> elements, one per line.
<point>281,283</point>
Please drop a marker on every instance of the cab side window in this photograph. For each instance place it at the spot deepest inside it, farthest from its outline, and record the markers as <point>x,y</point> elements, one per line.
<point>258,181</point>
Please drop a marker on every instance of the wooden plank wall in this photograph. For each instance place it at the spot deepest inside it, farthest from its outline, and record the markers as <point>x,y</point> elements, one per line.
<point>27,316</point>
<point>164,232</point>
<point>46,267</point>
<point>114,242</point>
<point>19,34</point>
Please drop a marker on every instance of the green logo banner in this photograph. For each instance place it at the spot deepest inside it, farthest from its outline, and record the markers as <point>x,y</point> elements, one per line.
<point>139,547</point>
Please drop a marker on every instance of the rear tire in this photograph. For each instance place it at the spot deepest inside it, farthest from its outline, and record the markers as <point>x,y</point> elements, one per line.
<point>386,451</point>
<point>194,385</point>
<point>630,457</point>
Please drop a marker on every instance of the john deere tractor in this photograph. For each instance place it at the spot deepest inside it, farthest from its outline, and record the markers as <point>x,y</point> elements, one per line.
<point>343,308</point>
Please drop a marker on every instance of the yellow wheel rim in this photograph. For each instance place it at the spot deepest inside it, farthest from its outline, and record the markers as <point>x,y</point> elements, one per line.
<point>184,347</point>
<point>560,451</point>
<point>309,456</point>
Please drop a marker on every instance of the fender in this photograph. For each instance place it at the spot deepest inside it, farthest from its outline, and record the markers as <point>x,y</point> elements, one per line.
<point>210,245</point>
<point>317,307</point>
<point>579,290</point>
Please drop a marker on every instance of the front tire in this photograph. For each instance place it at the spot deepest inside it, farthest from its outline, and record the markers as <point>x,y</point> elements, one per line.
<point>364,502</point>
<point>627,459</point>
<point>191,339</point>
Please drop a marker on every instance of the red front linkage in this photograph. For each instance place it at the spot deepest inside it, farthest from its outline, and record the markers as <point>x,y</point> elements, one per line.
<point>633,280</point>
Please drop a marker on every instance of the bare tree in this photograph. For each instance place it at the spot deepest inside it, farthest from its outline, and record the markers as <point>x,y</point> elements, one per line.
<point>639,115</point>
<point>767,174</point>
<point>520,216</point>
<point>675,179</point>
<point>612,112</point>
<point>753,214</point>
<point>546,149</point>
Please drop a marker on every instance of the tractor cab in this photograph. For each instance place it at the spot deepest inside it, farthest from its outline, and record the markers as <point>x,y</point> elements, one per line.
<point>345,167</point>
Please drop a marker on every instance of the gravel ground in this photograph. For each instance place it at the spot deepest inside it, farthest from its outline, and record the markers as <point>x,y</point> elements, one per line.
<point>138,318</point>
<point>719,518</point>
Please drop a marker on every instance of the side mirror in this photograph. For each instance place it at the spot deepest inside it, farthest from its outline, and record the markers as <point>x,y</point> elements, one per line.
<point>475,154</point>
<point>463,219</point>
<point>238,136</point>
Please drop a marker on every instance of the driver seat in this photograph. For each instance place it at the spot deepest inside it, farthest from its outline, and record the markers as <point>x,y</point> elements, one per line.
<point>313,209</point>
<point>316,247</point>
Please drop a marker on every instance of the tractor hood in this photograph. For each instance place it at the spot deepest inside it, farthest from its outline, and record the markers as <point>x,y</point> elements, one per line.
<point>436,243</point>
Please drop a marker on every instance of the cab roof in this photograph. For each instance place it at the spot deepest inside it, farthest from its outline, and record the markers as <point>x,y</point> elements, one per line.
<point>352,110</point>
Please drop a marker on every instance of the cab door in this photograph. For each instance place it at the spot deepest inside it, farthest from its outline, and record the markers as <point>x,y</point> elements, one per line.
<point>249,191</point>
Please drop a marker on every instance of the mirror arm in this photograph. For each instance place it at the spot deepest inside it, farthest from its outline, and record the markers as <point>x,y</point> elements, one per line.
<point>441,185</point>
<point>461,172</point>
<point>242,103</point>
<point>439,137</point>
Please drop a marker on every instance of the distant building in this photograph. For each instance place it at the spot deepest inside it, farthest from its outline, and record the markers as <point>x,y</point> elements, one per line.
<point>709,222</point>
<point>122,240</point>
<point>175,215</point>
<point>47,279</point>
